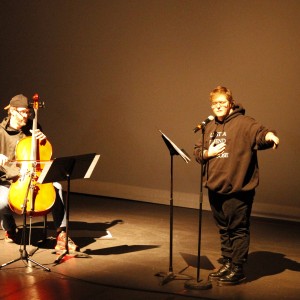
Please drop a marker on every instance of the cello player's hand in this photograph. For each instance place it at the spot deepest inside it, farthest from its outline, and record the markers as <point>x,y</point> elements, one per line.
<point>39,135</point>
<point>3,159</point>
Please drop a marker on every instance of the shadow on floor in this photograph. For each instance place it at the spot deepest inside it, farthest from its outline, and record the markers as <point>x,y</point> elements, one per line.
<point>265,263</point>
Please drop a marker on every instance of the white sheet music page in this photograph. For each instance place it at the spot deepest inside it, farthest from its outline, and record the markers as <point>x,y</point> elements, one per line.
<point>179,151</point>
<point>92,166</point>
<point>45,170</point>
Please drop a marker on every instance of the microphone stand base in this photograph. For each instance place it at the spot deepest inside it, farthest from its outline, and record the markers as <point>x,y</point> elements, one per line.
<point>169,276</point>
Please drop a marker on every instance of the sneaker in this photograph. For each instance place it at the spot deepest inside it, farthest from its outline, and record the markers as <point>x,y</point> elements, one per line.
<point>61,243</point>
<point>10,236</point>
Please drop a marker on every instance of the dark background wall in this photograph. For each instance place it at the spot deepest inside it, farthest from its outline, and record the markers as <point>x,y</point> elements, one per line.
<point>112,73</point>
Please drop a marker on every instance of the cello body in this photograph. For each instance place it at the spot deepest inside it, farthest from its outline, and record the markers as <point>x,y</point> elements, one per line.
<point>25,194</point>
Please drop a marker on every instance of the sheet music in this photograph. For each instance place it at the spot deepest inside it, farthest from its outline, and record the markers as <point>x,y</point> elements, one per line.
<point>179,151</point>
<point>92,166</point>
<point>45,170</point>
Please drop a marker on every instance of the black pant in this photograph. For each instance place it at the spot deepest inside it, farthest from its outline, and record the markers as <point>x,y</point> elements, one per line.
<point>232,217</point>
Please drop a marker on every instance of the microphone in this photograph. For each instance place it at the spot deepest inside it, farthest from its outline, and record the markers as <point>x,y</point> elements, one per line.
<point>203,124</point>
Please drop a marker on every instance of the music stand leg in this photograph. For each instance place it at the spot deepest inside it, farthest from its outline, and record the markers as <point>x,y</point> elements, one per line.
<point>66,251</point>
<point>67,207</point>
<point>169,276</point>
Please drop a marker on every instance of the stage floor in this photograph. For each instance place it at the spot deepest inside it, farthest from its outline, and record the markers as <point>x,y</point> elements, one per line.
<point>125,244</point>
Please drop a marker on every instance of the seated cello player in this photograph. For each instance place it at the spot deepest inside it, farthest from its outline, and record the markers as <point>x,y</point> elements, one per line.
<point>13,128</point>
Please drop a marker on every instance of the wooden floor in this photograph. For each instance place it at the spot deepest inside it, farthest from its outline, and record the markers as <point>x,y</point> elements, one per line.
<point>126,244</point>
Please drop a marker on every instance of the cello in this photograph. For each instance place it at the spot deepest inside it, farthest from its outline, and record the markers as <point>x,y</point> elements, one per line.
<point>25,194</point>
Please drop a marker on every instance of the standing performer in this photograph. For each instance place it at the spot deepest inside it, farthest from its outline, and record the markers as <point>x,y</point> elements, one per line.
<point>231,174</point>
<point>13,128</point>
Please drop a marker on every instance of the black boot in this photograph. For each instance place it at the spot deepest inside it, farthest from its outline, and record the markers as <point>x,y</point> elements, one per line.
<point>224,270</point>
<point>234,277</point>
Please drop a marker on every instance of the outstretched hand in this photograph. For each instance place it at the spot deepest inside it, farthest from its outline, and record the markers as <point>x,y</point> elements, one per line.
<point>271,137</point>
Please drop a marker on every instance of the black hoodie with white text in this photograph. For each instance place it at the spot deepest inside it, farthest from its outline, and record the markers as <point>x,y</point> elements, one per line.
<point>235,170</point>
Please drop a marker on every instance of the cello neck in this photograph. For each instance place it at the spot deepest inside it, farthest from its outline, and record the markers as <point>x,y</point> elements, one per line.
<point>33,154</point>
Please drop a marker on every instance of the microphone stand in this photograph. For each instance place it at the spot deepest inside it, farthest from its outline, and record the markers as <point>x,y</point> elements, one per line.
<point>199,284</point>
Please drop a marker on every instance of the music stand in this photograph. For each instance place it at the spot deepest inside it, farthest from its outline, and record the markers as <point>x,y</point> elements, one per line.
<point>174,150</point>
<point>66,169</point>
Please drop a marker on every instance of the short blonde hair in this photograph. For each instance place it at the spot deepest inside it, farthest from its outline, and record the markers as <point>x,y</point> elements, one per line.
<point>221,90</point>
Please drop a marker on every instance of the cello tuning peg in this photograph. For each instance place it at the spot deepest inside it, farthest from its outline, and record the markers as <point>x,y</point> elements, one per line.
<point>42,104</point>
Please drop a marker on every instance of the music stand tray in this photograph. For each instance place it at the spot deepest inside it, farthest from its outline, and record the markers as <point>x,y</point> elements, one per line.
<point>174,150</point>
<point>70,167</point>
<point>66,169</point>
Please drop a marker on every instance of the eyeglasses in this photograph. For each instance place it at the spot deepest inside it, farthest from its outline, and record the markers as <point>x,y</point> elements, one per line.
<point>221,103</point>
<point>23,112</point>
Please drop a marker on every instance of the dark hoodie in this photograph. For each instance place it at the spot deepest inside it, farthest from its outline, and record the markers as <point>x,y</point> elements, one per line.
<point>9,138</point>
<point>236,169</point>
